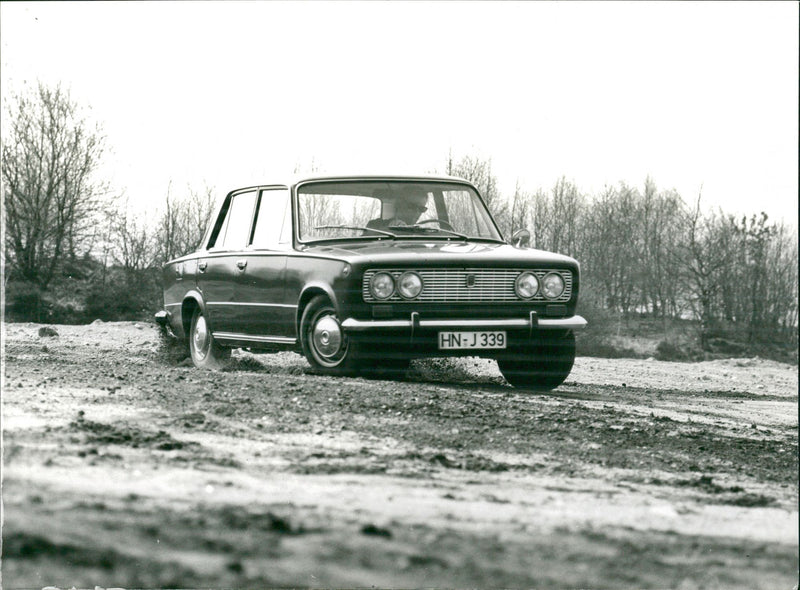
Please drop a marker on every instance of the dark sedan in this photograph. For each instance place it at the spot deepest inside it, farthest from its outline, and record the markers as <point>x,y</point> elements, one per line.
<point>363,274</point>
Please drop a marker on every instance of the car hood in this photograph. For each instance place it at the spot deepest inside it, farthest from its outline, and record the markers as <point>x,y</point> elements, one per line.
<point>438,252</point>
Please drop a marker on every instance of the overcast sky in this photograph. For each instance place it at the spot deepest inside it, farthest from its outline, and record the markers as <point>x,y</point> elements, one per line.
<point>694,94</point>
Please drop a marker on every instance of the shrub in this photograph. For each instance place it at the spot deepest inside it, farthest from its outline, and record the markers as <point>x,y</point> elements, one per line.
<point>123,296</point>
<point>601,348</point>
<point>27,305</point>
<point>675,350</point>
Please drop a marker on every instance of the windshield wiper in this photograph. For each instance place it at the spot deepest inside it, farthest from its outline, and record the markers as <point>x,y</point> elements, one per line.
<point>358,227</point>
<point>429,230</point>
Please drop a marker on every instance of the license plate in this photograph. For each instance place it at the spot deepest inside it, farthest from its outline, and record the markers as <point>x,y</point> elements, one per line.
<point>469,340</point>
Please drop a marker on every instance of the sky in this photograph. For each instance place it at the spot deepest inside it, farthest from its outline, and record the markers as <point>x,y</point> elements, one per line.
<point>700,96</point>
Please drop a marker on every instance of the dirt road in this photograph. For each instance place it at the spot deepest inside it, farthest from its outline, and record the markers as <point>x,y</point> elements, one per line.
<point>121,470</point>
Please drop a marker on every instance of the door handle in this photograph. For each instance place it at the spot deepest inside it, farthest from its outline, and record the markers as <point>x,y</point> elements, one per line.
<point>202,266</point>
<point>242,264</point>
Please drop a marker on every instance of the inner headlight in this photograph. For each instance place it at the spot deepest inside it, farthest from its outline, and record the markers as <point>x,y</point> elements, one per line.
<point>381,285</point>
<point>526,285</point>
<point>552,286</point>
<point>409,285</point>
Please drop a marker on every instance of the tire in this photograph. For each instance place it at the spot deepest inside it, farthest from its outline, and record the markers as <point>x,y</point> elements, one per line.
<point>206,353</point>
<point>325,345</point>
<point>543,366</point>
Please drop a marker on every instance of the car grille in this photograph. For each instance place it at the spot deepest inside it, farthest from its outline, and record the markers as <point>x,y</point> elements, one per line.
<point>450,285</point>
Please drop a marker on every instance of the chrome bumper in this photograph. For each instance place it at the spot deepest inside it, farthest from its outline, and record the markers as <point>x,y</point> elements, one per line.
<point>163,318</point>
<point>534,322</point>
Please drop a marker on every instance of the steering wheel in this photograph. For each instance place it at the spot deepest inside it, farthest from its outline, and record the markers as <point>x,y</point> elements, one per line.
<point>444,224</point>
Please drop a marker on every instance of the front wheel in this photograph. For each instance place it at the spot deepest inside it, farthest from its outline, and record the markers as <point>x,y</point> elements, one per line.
<point>544,365</point>
<point>325,345</point>
<point>205,351</point>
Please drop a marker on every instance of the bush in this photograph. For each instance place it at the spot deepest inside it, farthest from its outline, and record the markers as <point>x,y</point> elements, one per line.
<point>114,302</point>
<point>678,351</point>
<point>25,304</point>
<point>112,295</point>
<point>604,349</point>
<point>123,296</point>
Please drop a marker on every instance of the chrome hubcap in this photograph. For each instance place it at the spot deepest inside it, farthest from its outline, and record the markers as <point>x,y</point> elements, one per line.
<point>200,336</point>
<point>327,337</point>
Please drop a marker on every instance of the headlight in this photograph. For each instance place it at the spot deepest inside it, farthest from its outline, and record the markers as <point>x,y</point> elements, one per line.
<point>552,286</point>
<point>526,285</point>
<point>409,285</point>
<point>381,285</point>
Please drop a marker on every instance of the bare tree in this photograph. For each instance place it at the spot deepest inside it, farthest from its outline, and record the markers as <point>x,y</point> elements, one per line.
<point>183,222</point>
<point>782,292</point>
<point>609,252</point>
<point>540,220</point>
<point>759,286</point>
<point>479,172</point>
<point>50,155</point>
<point>566,212</point>
<point>134,248</point>
<point>556,218</point>
<point>520,208</point>
<point>704,255</point>
<point>657,215</point>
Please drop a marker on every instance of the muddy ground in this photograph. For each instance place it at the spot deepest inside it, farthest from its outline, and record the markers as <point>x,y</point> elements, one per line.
<point>121,470</point>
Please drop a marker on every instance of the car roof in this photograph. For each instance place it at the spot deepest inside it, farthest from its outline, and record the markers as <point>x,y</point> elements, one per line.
<point>372,177</point>
<point>301,179</point>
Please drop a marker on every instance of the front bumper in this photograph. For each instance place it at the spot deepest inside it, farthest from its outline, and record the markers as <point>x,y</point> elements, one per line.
<point>414,323</point>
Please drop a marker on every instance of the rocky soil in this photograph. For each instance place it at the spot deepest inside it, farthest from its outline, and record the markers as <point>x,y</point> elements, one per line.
<point>123,469</point>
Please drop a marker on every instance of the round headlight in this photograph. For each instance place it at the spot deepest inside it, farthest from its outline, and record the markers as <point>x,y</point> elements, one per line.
<point>381,285</point>
<point>526,285</point>
<point>409,285</point>
<point>552,286</point>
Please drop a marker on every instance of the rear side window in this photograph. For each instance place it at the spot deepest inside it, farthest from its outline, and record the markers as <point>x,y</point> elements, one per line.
<point>235,231</point>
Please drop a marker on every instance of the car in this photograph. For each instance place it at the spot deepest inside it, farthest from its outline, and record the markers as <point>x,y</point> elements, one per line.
<point>362,274</point>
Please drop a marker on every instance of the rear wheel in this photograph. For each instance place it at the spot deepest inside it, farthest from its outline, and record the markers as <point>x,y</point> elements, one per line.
<point>544,365</point>
<point>205,351</point>
<point>325,345</point>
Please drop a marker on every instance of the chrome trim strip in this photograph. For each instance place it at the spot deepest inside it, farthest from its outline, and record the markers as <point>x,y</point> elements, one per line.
<point>251,304</point>
<point>508,323</point>
<point>359,325</point>
<point>172,304</point>
<point>249,338</point>
<point>574,323</point>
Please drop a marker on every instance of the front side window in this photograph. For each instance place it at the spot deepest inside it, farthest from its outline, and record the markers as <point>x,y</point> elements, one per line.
<point>398,209</point>
<point>273,220</point>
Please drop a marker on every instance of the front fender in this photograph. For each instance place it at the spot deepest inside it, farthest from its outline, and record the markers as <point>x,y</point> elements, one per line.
<point>309,292</point>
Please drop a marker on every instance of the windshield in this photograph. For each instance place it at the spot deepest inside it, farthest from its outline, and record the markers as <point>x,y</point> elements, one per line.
<point>387,210</point>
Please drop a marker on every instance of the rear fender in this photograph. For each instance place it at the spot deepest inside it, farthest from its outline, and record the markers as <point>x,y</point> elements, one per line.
<point>191,301</point>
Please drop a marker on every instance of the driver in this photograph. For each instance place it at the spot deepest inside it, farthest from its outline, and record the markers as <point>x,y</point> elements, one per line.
<point>407,211</point>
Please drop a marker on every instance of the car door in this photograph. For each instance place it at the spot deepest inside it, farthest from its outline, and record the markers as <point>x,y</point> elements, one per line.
<point>219,268</point>
<point>261,284</point>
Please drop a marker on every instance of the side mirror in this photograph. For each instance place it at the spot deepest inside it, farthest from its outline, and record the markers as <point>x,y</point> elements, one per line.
<point>521,238</point>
